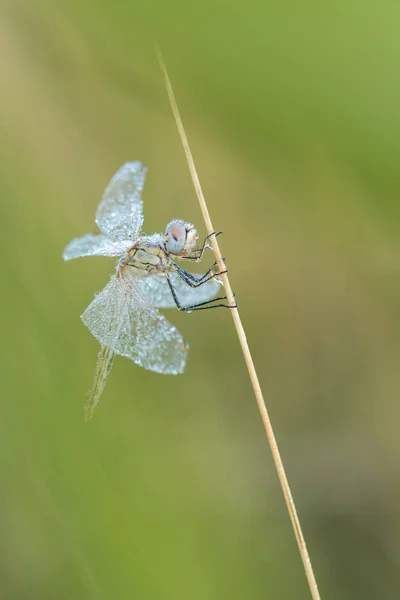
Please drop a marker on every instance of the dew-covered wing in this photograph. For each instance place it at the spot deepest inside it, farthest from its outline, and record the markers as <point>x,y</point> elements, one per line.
<point>95,244</point>
<point>120,318</point>
<point>120,213</point>
<point>157,292</point>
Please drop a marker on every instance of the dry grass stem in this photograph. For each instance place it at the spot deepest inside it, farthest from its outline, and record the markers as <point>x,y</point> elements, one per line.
<point>244,345</point>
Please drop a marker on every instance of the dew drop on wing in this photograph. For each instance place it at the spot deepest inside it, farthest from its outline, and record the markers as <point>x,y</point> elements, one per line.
<point>121,319</point>
<point>120,212</point>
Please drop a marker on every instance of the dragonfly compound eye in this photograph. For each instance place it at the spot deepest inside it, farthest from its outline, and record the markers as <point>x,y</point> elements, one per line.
<point>175,237</point>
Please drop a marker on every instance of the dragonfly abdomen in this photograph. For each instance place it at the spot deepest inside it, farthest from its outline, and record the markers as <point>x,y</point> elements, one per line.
<point>103,368</point>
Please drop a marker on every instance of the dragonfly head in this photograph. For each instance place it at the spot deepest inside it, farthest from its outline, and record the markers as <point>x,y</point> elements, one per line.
<point>180,237</point>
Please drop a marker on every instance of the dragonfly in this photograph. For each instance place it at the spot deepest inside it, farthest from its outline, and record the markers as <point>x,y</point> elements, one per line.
<point>124,316</point>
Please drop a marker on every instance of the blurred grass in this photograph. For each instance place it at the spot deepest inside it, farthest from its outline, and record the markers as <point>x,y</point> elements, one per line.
<point>292,111</point>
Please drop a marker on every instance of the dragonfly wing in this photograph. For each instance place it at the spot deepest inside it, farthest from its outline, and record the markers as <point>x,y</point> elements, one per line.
<point>120,213</point>
<point>121,319</point>
<point>95,244</point>
<point>157,292</point>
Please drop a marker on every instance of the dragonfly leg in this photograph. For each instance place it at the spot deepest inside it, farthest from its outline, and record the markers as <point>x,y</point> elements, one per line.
<point>201,305</point>
<point>194,281</point>
<point>197,253</point>
<point>206,305</point>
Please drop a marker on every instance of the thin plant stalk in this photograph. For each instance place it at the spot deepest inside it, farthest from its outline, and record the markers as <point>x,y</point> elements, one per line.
<point>243,342</point>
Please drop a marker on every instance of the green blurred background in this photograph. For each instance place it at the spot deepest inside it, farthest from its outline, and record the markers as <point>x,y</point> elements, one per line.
<point>292,110</point>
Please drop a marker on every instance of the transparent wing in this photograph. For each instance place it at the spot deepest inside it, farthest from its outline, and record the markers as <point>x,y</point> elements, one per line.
<point>156,291</point>
<point>120,213</point>
<point>95,244</point>
<point>120,319</point>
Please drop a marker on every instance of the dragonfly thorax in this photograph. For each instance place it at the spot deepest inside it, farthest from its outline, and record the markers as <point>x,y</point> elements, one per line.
<point>147,256</point>
<point>180,237</point>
